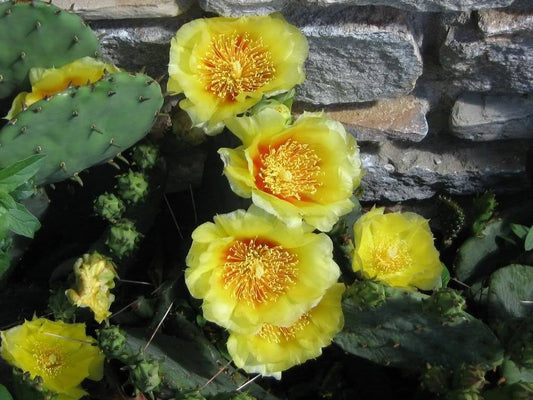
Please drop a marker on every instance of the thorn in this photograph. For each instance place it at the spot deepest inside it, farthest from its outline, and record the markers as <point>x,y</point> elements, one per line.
<point>94,128</point>
<point>63,166</point>
<point>133,74</point>
<point>142,99</point>
<point>157,327</point>
<point>111,79</point>
<point>111,93</point>
<point>419,329</point>
<point>76,39</point>
<point>75,113</point>
<point>22,55</point>
<point>158,80</point>
<point>58,12</point>
<point>92,86</point>
<point>148,83</point>
<point>96,53</point>
<point>8,11</point>
<point>69,84</point>
<point>47,98</point>
<point>37,109</point>
<point>23,129</point>
<point>247,383</point>
<point>114,164</point>
<point>12,121</point>
<point>388,363</point>
<point>24,106</point>
<point>1,77</point>
<point>76,178</point>
<point>173,216</point>
<point>193,204</point>
<point>396,345</point>
<point>167,94</point>
<point>38,149</point>
<point>501,381</point>
<point>49,2</point>
<point>160,114</point>
<point>122,158</point>
<point>112,143</point>
<point>37,25</point>
<point>142,71</point>
<point>214,376</point>
<point>379,326</point>
<point>105,72</point>
<point>71,8</point>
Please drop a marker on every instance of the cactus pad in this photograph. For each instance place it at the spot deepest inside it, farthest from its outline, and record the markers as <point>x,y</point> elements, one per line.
<point>82,126</point>
<point>39,34</point>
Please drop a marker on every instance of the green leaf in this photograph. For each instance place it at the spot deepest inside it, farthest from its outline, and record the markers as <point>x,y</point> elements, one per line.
<point>509,287</point>
<point>528,243</point>
<point>4,223</point>
<point>17,174</point>
<point>22,222</point>
<point>519,230</point>
<point>4,394</point>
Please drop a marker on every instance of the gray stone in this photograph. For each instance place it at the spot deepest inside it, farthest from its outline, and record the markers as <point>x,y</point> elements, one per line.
<point>496,63</point>
<point>237,8</point>
<point>423,5</point>
<point>356,54</point>
<point>246,7</point>
<point>398,171</point>
<point>506,21</point>
<point>403,118</point>
<point>492,117</point>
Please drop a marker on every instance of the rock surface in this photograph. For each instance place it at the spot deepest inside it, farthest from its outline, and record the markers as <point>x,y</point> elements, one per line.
<point>246,7</point>
<point>507,21</point>
<point>356,54</point>
<point>118,9</point>
<point>492,117</point>
<point>495,63</point>
<point>403,118</point>
<point>401,171</point>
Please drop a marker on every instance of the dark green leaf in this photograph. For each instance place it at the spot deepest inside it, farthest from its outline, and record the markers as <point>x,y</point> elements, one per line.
<point>519,230</point>
<point>22,222</point>
<point>17,174</point>
<point>4,394</point>
<point>528,243</point>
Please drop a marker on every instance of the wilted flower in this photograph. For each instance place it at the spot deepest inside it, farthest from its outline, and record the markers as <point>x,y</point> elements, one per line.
<point>277,348</point>
<point>250,268</point>
<point>95,276</point>
<point>225,65</point>
<point>49,81</point>
<point>396,249</point>
<point>307,170</point>
<point>60,353</point>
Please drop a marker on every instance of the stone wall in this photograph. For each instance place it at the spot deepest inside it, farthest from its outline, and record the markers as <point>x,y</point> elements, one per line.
<point>437,92</point>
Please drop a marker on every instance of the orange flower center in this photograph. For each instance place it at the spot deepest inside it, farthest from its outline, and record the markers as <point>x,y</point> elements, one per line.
<point>50,360</point>
<point>289,171</point>
<point>279,334</point>
<point>235,64</point>
<point>258,271</point>
<point>390,257</point>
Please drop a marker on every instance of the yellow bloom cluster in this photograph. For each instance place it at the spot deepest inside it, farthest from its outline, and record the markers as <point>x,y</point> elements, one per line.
<point>224,66</point>
<point>268,283</point>
<point>60,353</point>
<point>396,249</point>
<point>49,81</point>
<point>95,276</point>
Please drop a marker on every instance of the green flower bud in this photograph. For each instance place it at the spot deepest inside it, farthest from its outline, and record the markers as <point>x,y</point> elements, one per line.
<point>132,186</point>
<point>367,294</point>
<point>112,342</point>
<point>122,238</point>
<point>145,156</point>
<point>445,303</point>
<point>145,376</point>
<point>436,379</point>
<point>109,207</point>
<point>469,377</point>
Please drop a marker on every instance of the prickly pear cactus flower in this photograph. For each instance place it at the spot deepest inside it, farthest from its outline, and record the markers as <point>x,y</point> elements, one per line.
<point>95,276</point>
<point>305,171</point>
<point>226,65</point>
<point>60,353</point>
<point>277,348</point>
<point>396,249</point>
<point>250,268</point>
<point>49,81</point>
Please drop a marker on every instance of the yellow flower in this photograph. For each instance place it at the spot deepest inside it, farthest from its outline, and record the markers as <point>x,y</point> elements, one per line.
<point>250,268</point>
<point>307,170</point>
<point>225,65</point>
<point>396,249</point>
<point>274,348</point>
<point>94,279</point>
<point>47,82</point>
<point>60,353</point>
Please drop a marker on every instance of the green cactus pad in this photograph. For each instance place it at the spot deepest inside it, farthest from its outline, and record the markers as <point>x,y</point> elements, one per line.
<point>82,126</point>
<point>511,292</point>
<point>39,34</point>
<point>399,333</point>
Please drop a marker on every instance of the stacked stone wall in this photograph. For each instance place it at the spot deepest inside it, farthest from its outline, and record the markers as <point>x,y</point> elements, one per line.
<point>439,93</point>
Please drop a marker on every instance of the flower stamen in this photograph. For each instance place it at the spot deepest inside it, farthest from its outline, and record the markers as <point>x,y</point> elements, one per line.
<point>257,271</point>
<point>279,334</point>
<point>50,360</point>
<point>391,257</point>
<point>290,170</point>
<point>235,64</point>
